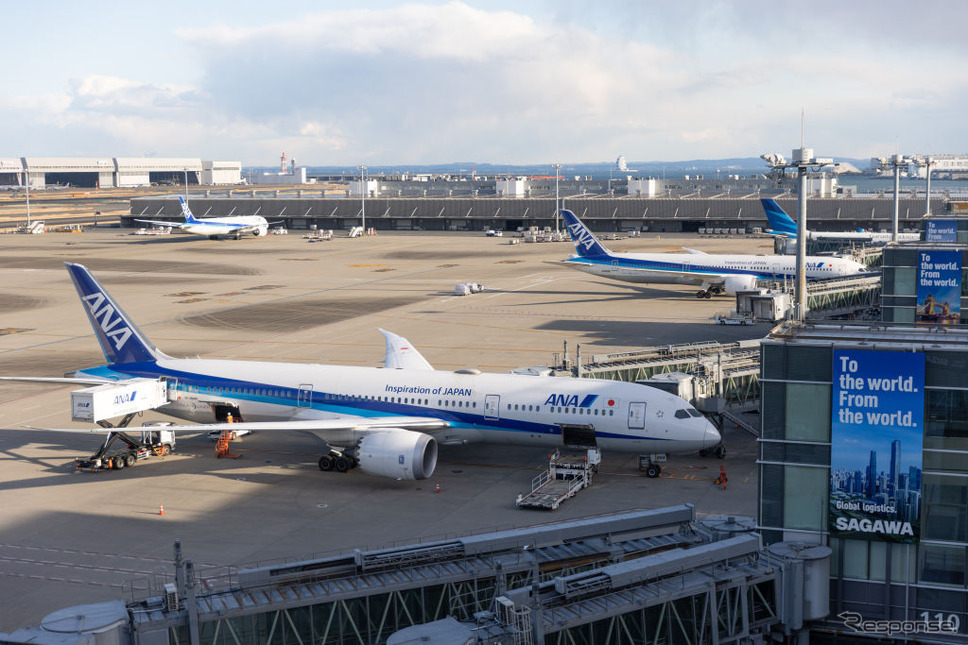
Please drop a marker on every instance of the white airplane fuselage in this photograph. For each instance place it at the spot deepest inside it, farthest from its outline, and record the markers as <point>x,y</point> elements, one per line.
<point>255,224</point>
<point>478,407</point>
<point>689,268</point>
<point>862,236</point>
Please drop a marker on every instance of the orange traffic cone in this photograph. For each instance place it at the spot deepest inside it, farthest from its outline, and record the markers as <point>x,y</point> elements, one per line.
<point>161,509</point>
<point>436,488</point>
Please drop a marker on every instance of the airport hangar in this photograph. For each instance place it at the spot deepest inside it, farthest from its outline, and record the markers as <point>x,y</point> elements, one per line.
<point>314,208</point>
<point>116,172</point>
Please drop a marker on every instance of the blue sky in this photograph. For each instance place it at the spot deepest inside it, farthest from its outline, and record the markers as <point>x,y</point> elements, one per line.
<point>501,82</point>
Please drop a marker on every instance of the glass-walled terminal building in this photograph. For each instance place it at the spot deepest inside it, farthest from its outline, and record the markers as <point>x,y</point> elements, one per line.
<point>864,448</point>
<point>927,282</point>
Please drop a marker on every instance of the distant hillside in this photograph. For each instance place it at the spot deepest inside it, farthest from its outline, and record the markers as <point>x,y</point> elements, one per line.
<point>669,169</point>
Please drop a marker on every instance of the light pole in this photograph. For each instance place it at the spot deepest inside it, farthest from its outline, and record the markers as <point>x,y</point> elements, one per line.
<point>927,199</point>
<point>27,188</point>
<point>803,160</point>
<point>362,170</point>
<point>557,167</point>
<point>896,161</point>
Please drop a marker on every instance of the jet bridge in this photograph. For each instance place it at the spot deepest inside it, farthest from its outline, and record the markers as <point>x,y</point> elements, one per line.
<point>644,576</point>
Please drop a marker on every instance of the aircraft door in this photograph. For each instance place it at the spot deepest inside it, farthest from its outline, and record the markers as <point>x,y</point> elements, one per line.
<point>636,416</point>
<point>172,391</point>
<point>304,396</point>
<point>492,406</point>
<point>576,436</point>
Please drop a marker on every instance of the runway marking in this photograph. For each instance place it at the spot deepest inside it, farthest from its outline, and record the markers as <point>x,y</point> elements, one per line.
<point>13,330</point>
<point>75,565</point>
<point>100,554</point>
<point>91,583</point>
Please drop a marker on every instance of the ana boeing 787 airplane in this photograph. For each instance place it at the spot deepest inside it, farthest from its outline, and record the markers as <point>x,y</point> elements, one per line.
<point>782,225</point>
<point>213,227</point>
<point>388,421</point>
<point>717,274</point>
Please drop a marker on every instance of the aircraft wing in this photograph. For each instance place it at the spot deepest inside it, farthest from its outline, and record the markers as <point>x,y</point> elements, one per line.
<point>160,223</point>
<point>304,425</point>
<point>694,251</point>
<point>703,277</point>
<point>338,431</point>
<point>55,379</point>
<point>245,229</point>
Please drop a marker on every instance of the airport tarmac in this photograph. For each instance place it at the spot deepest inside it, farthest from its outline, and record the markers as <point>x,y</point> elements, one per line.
<point>69,538</point>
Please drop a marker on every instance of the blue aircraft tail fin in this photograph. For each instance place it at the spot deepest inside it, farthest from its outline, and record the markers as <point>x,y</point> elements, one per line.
<point>780,222</point>
<point>585,241</point>
<point>121,341</point>
<point>186,211</point>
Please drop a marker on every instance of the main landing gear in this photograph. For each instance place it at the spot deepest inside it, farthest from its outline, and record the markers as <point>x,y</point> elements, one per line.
<point>337,461</point>
<point>710,292</point>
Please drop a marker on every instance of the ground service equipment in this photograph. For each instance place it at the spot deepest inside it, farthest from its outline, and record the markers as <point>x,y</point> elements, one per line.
<point>111,400</point>
<point>152,443</point>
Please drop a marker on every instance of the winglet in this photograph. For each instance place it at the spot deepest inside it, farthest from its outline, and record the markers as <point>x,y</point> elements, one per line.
<point>402,355</point>
<point>780,222</point>
<point>121,341</point>
<point>585,241</point>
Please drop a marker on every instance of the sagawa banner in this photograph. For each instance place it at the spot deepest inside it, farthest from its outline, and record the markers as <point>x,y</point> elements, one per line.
<point>877,428</point>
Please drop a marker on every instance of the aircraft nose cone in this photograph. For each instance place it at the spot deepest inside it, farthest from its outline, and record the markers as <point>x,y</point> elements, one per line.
<point>711,436</point>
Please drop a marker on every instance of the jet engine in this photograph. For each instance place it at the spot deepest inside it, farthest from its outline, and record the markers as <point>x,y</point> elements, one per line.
<point>735,283</point>
<point>260,231</point>
<point>400,454</point>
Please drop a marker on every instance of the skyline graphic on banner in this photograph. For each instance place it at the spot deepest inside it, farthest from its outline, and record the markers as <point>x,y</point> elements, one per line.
<point>877,419</point>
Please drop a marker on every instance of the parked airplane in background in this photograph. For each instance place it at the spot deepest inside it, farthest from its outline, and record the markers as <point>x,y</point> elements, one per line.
<point>717,274</point>
<point>388,421</point>
<point>783,225</point>
<point>214,226</point>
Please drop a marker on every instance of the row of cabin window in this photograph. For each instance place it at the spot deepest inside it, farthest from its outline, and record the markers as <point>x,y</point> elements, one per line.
<point>340,397</point>
<point>407,401</point>
<point>560,410</point>
<point>241,390</point>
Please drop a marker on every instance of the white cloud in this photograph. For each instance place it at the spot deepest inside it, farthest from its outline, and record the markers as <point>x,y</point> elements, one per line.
<point>430,82</point>
<point>117,96</point>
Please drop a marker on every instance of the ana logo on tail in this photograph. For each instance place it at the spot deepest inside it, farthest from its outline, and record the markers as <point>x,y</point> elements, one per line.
<point>108,319</point>
<point>186,211</point>
<point>582,236</point>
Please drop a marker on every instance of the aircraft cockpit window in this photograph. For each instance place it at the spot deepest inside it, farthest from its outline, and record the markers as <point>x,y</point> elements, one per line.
<point>682,414</point>
<point>694,412</point>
